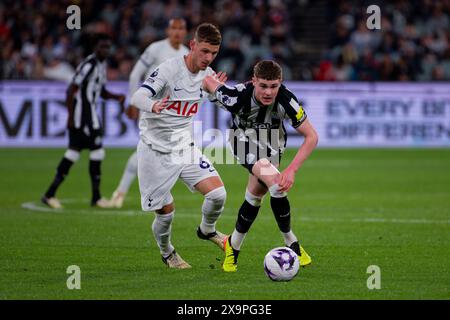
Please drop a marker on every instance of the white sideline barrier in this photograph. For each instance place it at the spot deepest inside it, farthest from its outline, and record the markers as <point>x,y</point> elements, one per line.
<point>33,114</point>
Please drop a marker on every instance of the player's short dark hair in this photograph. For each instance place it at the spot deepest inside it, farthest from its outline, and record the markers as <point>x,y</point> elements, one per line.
<point>209,33</point>
<point>100,37</point>
<point>267,70</point>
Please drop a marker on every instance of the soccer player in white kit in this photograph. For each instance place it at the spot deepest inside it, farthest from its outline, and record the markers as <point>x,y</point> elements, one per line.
<point>155,54</point>
<point>168,100</point>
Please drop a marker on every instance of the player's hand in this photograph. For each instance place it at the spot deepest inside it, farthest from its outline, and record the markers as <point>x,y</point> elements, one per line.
<point>160,105</point>
<point>286,181</point>
<point>132,112</point>
<point>70,123</point>
<point>221,77</point>
<point>212,82</point>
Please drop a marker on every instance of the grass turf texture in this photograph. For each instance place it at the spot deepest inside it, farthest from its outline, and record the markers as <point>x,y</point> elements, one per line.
<point>351,209</point>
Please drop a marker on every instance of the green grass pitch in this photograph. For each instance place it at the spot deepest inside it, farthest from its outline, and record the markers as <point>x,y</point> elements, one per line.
<point>351,209</point>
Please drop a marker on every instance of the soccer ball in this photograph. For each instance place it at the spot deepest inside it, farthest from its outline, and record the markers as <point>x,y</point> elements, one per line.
<point>281,264</point>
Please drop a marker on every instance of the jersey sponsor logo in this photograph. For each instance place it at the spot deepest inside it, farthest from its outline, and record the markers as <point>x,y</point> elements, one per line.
<point>259,125</point>
<point>177,89</point>
<point>186,109</point>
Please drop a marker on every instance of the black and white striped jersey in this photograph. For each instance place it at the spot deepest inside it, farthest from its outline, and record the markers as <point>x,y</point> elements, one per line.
<point>257,124</point>
<point>90,77</point>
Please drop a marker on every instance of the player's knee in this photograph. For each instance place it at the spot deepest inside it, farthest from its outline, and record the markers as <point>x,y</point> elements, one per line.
<point>97,155</point>
<point>72,155</point>
<point>217,196</point>
<point>167,209</point>
<point>264,162</point>
<point>275,191</point>
<point>168,205</point>
<point>254,200</point>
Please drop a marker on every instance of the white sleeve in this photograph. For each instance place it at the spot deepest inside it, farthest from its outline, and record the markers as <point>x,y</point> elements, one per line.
<point>157,80</point>
<point>154,84</point>
<point>136,76</point>
<point>142,99</point>
<point>82,73</point>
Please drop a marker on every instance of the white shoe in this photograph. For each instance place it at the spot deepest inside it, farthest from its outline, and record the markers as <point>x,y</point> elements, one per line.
<point>52,202</point>
<point>103,203</point>
<point>175,261</point>
<point>117,199</point>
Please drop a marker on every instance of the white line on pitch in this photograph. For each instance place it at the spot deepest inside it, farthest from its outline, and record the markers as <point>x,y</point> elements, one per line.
<point>191,214</point>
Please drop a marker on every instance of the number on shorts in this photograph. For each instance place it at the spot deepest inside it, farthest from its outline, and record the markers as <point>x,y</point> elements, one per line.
<point>204,164</point>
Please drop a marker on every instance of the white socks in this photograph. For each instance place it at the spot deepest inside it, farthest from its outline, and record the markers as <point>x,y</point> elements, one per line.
<point>289,238</point>
<point>162,227</point>
<point>236,239</point>
<point>211,209</point>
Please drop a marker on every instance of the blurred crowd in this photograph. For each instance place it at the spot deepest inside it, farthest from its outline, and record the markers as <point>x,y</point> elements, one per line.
<point>412,45</point>
<point>36,43</point>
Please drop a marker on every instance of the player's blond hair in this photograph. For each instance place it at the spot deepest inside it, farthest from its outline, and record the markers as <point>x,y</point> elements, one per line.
<point>209,33</point>
<point>267,70</point>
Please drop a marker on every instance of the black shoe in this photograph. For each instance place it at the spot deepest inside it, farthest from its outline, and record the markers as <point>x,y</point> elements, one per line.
<point>296,248</point>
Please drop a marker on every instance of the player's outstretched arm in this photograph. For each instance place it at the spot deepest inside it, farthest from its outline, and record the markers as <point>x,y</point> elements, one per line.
<point>105,94</point>
<point>143,101</point>
<point>136,76</point>
<point>311,139</point>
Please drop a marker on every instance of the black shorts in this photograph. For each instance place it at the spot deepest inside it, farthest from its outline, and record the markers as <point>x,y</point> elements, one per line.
<point>248,155</point>
<point>79,140</point>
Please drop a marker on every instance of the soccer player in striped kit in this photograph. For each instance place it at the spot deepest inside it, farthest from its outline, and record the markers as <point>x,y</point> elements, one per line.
<point>84,126</point>
<point>258,140</point>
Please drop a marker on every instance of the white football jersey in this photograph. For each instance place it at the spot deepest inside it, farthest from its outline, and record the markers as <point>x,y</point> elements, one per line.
<point>171,130</point>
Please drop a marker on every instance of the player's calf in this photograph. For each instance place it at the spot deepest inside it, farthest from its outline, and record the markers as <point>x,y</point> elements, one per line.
<point>281,208</point>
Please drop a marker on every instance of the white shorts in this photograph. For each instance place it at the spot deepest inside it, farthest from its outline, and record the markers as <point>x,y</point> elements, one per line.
<point>158,172</point>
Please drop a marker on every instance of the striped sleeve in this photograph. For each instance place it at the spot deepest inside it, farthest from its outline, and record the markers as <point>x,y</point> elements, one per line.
<point>231,98</point>
<point>294,111</point>
<point>82,73</point>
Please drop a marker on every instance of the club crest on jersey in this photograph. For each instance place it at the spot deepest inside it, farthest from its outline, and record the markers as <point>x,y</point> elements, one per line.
<point>184,108</point>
